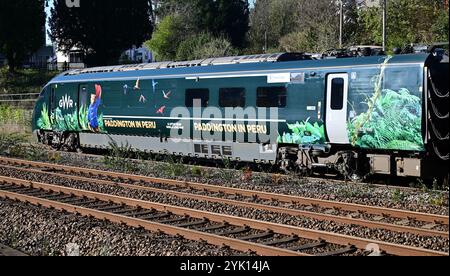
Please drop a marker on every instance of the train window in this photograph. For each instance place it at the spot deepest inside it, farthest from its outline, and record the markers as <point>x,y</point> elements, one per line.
<point>271,96</point>
<point>232,97</point>
<point>193,95</point>
<point>337,94</point>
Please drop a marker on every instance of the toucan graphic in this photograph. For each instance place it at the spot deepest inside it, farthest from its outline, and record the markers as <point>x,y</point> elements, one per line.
<point>96,100</point>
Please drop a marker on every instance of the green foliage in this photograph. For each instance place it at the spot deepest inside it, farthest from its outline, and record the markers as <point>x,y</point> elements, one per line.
<point>83,117</point>
<point>199,28</point>
<point>175,168</point>
<point>204,46</point>
<point>168,35</point>
<point>21,23</point>
<point>119,157</point>
<point>44,120</point>
<point>410,21</point>
<point>398,196</point>
<point>24,81</point>
<point>295,25</point>
<point>394,123</point>
<point>101,29</point>
<point>304,133</point>
<point>75,121</point>
<point>14,119</point>
<point>9,142</point>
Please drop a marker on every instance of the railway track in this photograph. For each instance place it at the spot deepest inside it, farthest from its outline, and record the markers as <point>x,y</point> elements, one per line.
<point>346,213</point>
<point>263,238</point>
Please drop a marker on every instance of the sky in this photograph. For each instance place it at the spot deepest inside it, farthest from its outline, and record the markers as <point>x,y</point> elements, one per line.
<point>50,4</point>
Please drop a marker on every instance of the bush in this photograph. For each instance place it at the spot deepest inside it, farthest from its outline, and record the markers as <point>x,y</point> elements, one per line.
<point>10,142</point>
<point>205,46</point>
<point>119,157</point>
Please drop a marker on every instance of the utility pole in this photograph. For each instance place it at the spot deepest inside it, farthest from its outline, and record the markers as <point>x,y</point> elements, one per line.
<point>384,6</point>
<point>341,24</point>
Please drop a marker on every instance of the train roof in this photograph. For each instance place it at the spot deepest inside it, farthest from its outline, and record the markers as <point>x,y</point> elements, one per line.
<point>230,67</point>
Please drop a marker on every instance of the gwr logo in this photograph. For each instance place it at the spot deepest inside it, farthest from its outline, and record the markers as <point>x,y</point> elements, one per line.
<point>73,3</point>
<point>66,102</point>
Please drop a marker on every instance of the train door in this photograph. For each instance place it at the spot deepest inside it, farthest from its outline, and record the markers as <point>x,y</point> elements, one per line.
<point>336,113</point>
<point>53,102</point>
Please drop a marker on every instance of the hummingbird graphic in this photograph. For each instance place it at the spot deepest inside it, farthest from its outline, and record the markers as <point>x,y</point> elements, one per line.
<point>161,110</point>
<point>167,95</point>
<point>142,99</point>
<point>154,84</point>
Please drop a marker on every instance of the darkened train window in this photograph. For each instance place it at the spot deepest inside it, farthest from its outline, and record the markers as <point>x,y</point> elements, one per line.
<point>197,94</point>
<point>232,97</point>
<point>337,94</point>
<point>271,96</point>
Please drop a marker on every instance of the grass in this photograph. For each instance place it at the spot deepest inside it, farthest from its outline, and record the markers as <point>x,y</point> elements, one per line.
<point>15,122</point>
<point>398,196</point>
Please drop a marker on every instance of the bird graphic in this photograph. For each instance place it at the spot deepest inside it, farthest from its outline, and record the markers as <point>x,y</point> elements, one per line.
<point>154,84</point>
<point>142,99</point>
<point>136,87</point>
<point>167,95</point>
<point>161,110</point>
<point>125,89</point>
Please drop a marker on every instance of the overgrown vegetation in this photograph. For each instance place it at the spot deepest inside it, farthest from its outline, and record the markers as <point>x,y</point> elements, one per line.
<point>24,81</point>
<point>15,120</point>
<point>10,142</point>
<point>120,157</point>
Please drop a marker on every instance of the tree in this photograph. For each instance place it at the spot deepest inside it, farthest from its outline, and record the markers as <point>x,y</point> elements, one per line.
<point>221,18</point>
<point>270,20</point>
<point>278,23</point>
<point>169,33</point>
<point>22,29</point>
<point>409,21</point>
<point>102,29</point>
<point>204,46</point>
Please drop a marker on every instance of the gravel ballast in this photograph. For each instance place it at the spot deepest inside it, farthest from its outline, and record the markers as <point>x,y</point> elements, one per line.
<point>40,232</point>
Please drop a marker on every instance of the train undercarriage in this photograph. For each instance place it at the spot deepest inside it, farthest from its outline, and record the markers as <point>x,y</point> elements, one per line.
<point>359,165</point>
<point>308,160</point>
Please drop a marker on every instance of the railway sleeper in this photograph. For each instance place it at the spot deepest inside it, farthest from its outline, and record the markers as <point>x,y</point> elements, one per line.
<point>320,243</point>
<point>346,250</point>
<point>281,241</point>
<point>263,235</point>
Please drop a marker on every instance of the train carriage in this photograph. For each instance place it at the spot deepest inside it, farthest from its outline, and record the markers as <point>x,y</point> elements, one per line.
<point>359,116</point>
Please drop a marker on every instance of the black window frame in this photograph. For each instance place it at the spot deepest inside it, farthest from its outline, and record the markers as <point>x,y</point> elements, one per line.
<point>234,101</point>
<point>189,99</point>
<point>337,94</point>
<point>273,94</point>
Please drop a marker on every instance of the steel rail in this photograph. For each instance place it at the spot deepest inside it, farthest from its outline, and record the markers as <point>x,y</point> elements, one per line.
<point>360,243</point>
<point>235,244</point>
<point>282,210</point>
<point>352,207</point>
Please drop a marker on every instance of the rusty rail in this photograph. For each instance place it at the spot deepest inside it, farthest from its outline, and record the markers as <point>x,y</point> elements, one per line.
<point>332,238</point>
<point>381,211</point>
<point>275,209</point>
